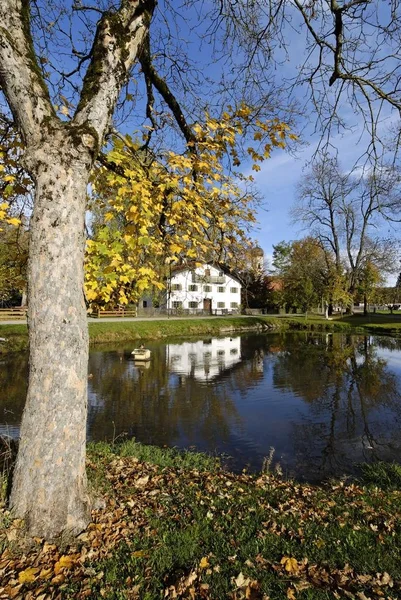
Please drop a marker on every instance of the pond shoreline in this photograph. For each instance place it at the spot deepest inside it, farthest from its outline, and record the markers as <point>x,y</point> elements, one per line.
<point>126,331</point>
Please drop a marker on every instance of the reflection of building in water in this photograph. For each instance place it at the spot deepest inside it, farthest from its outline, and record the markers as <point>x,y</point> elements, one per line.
<point>204,359</point>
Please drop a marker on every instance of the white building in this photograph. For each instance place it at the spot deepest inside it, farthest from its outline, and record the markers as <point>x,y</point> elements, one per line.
<point>207,288</point>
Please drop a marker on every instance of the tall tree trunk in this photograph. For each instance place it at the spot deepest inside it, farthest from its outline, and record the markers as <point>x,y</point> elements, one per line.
<point>49,485</point>
<point>24,298</point>
<point>350,307</point>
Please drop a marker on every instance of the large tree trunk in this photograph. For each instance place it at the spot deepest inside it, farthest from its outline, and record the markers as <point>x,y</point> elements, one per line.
<point>49,488</point>
<point>49,485</point>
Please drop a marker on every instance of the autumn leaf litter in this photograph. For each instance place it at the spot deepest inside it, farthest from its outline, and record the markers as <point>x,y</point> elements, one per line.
<point>145,504</point>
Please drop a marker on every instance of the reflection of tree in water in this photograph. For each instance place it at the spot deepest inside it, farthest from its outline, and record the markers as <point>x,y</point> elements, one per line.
<point>354,401</point>
<point>155,405</point>
<point>13,386</point>
<point>388,342</point>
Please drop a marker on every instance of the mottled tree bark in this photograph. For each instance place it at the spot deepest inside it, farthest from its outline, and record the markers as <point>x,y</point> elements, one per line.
<point>49,487</point>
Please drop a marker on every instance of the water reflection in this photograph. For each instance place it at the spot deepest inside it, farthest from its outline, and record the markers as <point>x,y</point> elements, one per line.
<point>205,359</point>
<point>162,402</point>
<point>354,401</point>
<point>324,402</point>
<point>13,387</point>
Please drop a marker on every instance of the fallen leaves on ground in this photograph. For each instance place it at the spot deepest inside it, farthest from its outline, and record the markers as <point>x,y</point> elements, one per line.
<point>143,494</point>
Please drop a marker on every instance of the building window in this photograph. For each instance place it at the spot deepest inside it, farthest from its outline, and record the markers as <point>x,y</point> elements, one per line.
<point>175,287</point>
<point>221,305</point>
<point>207,272</point>
<point>177,304</point>
<point>221,274</point>
<point>234,290</point>
<point>234,304</point>
<point>220,288</point>
<point>207,288</point>
<point>145,304</point>
<point>193,304</point>
<point>193,288</point>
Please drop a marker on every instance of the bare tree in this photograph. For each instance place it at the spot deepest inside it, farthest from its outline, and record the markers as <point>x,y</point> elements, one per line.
<point>344,213</point>
<point>348,71</point>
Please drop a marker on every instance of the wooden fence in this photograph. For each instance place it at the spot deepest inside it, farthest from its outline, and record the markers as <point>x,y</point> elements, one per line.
<point>113,313</point>
<point>11,314</point>
<point>19,313</point>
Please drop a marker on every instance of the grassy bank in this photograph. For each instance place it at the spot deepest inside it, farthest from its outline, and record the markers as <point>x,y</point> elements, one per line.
<point>177,526</point>
<point>16,338</point>
<point>126,331</point>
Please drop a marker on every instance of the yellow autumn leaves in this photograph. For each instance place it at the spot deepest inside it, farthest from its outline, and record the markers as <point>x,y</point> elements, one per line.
<point>33,573</point>
<point>5,216</point>
<point>14,182</point>
<point>290,564</point>
<point>152,212</point>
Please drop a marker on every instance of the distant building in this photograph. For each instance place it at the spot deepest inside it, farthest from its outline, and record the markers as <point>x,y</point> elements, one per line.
<point>207,288</point>
<point>276,284</point>
<point>257,260</point>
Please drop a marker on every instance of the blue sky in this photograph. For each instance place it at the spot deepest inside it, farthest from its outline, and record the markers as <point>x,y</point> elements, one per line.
<point>277,181</point>
<point>278,178</point>
<point>280,175</point>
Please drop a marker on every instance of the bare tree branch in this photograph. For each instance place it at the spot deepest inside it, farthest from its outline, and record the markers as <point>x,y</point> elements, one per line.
<point>153,77</point>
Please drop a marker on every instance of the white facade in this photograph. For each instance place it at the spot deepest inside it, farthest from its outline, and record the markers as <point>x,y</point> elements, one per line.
<point>204,289</point>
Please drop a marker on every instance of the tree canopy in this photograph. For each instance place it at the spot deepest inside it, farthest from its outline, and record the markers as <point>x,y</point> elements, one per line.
<point>179,207</point>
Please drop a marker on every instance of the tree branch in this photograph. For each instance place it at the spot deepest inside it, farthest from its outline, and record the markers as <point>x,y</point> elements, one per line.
<point>161,86</point>
<point>20,76</point>
<point>115,48</point>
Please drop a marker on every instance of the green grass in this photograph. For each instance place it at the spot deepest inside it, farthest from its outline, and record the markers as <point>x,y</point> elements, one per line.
<point>130,330</point>
<point>244,524</point>
<point>162,457</point>
<point>384,475</point>
<point>373,323</point>
<point>178,526</point>
<point>16,338</point>
<point>126,331</point>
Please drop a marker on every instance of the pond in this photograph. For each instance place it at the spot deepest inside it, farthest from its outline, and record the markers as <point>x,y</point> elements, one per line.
<point>324,403</point>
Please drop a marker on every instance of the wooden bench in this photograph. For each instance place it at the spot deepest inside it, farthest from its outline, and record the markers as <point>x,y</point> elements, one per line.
<point>13,313</point>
